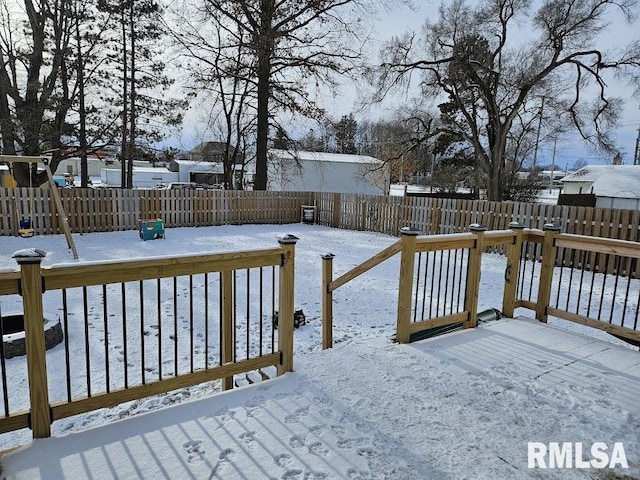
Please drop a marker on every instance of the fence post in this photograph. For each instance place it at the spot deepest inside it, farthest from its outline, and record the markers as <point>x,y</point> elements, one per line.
<point>473,276</point>
<point>228,332</point>
<point>327,301</point>
<point>31,287</point>
<point>336,214</point>
<point>512,271</point>
<point>286,302</point>
<point>546,270</point>
<point>405,285</point>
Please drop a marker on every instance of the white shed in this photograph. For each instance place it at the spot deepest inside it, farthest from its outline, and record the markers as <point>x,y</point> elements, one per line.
<point>614,186</point>
<point>326,172</point>
<point>143,177</point>
<point>95,165</point>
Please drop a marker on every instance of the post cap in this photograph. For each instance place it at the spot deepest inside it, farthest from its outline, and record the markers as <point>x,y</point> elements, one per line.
<point>409,231</point>
<point>29,255</point>
<point>477,227</point>
<point>287,239</point>
<point>516,225</point>
<point>550,227</point>
<point>327,256</point>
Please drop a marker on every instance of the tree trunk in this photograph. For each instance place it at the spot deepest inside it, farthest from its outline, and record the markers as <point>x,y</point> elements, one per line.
<point>125,106</point>
<point>260,181</point>
<point>265,50</point>
<point>132,108</point>
<point>6,125</point>
<point>84,174</point>
<point>495,173</point>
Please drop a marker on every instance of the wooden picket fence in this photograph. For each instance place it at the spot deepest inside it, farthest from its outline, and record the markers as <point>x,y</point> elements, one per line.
<point>108,209</point>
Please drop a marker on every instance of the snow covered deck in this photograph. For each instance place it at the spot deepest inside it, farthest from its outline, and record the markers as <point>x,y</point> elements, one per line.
<point>459,406</point>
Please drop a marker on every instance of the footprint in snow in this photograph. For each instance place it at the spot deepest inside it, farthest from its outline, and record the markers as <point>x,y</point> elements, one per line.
<point>194,450</point>
<point>318,430</point>
<point>353,474</point>
<point>352,442</point>
<point>283,460</point>
<point>297,441</point>
<point>293,474</point>
<point>326,413</point>
<point>319,449</point>
<point>248,437</point>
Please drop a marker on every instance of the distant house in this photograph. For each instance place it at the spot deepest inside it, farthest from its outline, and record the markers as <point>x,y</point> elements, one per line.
<point>213,152</point>
<point>609,186</point>
<point>326,172</point>
<point>204,163</point>
<point>202,172</point>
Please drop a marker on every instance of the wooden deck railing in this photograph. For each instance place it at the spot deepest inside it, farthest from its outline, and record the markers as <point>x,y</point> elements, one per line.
<point>147,309</point>
<point>581,279</point>
<point>586,280</point>
<point>164,324</point>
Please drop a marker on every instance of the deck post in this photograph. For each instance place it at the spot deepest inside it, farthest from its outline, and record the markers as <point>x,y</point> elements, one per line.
<point>408,238</point>
<point>286,303</point>
<point>228,333</point>
<point>473,276</point>
<point>546,270</point>
<point>512,271</point>
<point>31,287</point>
<point>327,301</point>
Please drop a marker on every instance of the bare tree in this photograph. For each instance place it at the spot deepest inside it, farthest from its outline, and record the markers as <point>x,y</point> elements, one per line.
<point>31,64</point>
<point>213,51</point>
<point>401,142</point>
<point>474,60</point>
<point>291,44</point>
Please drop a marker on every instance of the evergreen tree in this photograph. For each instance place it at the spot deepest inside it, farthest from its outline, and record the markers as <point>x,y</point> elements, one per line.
<point>135,58</point>
<point>345,132</point>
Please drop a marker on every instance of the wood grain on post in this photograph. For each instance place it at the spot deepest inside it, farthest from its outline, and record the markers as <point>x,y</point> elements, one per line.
<point>405,284</point>
<point>336,214</point>
<point>473,276</point>
<point>546,271</point>
<point>286,303</point>
<point>513,268</point>
<point>327,301</point>
<point>61,212</point>
<point>228,333</point>
<point>31,282</point>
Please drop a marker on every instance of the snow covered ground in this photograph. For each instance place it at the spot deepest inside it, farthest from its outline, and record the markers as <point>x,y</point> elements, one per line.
<point>462,406</point>
<point>477,428</point>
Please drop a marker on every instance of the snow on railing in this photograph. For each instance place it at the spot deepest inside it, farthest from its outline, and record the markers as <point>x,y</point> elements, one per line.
<point>145,327</point>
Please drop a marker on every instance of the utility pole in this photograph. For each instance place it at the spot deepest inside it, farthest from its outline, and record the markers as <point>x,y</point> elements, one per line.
<point>553,164</point>
<point>636,157</point>
<point>535,151</point>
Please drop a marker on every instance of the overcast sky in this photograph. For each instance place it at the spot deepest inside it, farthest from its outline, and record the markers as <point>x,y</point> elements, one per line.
<point>400,18</point>
<point>619,34</point>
